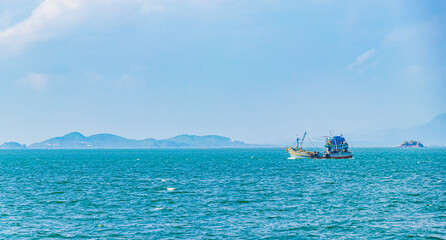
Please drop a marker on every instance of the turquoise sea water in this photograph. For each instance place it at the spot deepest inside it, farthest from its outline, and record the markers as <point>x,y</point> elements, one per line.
<point>222,193</point>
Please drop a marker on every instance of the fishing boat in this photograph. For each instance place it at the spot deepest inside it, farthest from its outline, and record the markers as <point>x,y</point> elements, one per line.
<point>299,152</point>
<point>335,147</point>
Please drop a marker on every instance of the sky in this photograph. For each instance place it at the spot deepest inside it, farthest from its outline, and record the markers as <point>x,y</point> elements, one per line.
<point>256,71</point>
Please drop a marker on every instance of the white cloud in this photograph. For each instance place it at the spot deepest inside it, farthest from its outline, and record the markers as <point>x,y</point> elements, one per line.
<point>34,81</point>
<point>362,59</point>
<point>50,18</point>
<point>54,18</point>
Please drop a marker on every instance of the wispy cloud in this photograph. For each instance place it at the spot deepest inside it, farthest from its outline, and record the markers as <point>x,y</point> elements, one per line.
<point>362,59</point>
<point>416,41</point>
<point>54,18</point>
<point>412,35</point>
<point>50,18</point>
<point>123,82</point>
<point>34,81</point>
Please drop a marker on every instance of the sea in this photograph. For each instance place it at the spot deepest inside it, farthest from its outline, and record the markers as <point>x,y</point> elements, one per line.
<point>382,193</point>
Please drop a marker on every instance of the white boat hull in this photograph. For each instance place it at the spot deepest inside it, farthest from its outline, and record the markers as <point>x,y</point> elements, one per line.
<point>294,153</point>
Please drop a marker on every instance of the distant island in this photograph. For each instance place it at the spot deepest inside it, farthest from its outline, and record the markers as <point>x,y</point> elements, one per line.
<point>76,140</point>
<point>12,145</point>
<point>433,133</point>
<point>410,144</point>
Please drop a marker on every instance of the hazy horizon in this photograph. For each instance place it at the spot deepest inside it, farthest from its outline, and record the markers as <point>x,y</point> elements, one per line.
<point>313,140</point>
<point>258,73</point>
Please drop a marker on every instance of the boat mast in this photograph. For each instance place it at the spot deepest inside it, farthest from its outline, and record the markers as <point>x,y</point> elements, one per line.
<point>297,140</point>
<point>302,142</point>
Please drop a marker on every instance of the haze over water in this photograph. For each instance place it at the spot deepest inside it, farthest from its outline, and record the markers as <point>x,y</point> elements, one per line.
<point>222,194</point>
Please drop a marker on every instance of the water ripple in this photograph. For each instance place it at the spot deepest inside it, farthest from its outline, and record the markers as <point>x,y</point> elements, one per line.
<point>241,193</point>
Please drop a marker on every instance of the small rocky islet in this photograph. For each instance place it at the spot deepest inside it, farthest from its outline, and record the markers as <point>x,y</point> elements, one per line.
<point>411,144</point>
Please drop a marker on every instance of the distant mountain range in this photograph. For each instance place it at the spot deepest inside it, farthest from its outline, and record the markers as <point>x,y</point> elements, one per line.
<point>76,140</point>
<point>432,133</point>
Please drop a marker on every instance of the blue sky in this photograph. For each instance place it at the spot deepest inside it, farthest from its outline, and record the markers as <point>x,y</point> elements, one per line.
<point>257,71</point>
